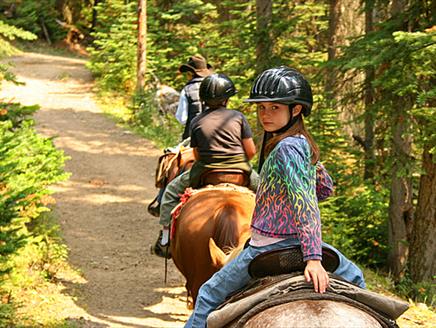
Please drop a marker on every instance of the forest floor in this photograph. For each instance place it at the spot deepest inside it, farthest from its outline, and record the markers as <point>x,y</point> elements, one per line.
<point>102,207</point>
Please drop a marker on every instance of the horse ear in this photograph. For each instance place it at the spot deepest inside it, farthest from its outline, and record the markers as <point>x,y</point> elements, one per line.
<point>219,258</point>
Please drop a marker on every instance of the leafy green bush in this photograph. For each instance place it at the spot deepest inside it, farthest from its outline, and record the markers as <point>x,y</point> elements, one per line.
<point>16,113</point>
<point>424,292</point>
<point>165,130</point>
<point>8,32</point>
<point>28,164</point>
<point>356,223</point>
<point>34,16</point>
<point>113,53</point>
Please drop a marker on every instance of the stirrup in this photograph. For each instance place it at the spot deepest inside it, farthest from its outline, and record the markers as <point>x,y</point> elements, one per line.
<point>161,250</point>
<point>154,207</point>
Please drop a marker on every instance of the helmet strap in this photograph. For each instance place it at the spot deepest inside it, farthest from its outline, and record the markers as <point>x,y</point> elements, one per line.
<point>291,122</point>
<point>266,137</point>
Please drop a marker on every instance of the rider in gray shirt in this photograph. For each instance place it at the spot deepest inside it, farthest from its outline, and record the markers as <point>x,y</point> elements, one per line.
<point>220,137</point>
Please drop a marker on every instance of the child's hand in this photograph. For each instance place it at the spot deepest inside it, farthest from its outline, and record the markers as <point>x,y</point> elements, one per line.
<point>316,273</point>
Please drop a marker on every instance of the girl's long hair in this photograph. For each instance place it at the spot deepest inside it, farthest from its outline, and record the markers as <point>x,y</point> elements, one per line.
<point>297,128</point>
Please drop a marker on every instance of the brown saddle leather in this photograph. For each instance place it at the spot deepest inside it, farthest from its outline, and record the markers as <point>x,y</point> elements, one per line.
<point>217,176</point>
<point>288,260</point>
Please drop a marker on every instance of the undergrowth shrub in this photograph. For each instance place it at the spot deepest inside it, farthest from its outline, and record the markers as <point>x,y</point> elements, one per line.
<point>356,223</point>
<point>424,292</point>
<point>29,163</point>
<point>35,16</point>
<point>162,128</point>
<point>9,33</point>
<point>113,52</point>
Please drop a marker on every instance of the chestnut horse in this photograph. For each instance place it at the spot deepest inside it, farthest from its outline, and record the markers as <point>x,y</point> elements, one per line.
<point>171,164</point>
<point>217,217</point>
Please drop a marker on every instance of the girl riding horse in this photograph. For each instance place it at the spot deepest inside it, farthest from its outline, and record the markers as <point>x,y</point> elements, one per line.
<point>286,211</point>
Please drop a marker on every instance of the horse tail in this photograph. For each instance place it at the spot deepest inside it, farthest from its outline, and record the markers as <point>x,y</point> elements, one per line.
<point>231,233</point>
<point>236,250</point>
<point>226,228</point>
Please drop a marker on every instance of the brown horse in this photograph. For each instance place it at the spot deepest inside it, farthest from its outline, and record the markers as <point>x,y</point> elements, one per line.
<point>214,216</point>
<point>169,166</point>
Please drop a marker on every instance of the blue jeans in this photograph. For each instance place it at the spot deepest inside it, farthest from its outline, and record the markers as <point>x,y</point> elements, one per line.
<point>234,276</point>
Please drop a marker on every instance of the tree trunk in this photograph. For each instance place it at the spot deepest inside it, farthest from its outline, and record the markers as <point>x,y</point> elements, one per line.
<point>345,22</point>
<point>334,16</point>
<point>423,243</point>
<point>263,42</point>
<point>369,100</point>
<point>400,204</point>
<point>142,46</point>
<point>94,15</point>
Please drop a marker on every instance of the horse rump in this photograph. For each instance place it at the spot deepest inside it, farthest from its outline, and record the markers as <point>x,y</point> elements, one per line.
<point>289,301</point>
<point>221,214</point>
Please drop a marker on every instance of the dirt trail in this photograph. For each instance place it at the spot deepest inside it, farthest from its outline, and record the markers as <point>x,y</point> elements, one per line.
<point>102,208</point>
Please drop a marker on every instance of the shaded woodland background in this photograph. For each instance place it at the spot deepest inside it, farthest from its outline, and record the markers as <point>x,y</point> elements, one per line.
<point>371,65</point>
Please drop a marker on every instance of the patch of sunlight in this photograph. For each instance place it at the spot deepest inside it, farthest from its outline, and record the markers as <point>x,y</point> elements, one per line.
<point>103,199</point>
<point>171,307</point>
<point>61,187</point>
<point>54,58</point>
<point>100,147</point>
<point>418,315</point>
<point>172,290</point>
<point>97,183</point>
<point>147,322</point>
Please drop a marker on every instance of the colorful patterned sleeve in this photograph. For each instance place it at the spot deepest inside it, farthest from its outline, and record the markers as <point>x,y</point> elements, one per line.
<point>324,183</point>
<point>298,176</point>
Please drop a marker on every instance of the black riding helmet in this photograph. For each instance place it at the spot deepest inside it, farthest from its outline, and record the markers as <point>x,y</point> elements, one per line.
<point>215,88</point>
<point>283,85</point>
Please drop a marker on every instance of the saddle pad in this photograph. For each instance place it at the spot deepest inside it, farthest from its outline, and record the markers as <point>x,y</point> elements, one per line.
<point>288,260</point>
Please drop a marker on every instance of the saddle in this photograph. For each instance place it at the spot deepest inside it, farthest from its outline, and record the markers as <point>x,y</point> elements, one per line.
<point>171,164</point>
<point>217,176</point>
<point>288,260</point>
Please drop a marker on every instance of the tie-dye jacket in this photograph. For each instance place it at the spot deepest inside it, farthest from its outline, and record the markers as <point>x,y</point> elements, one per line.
<point>287,196</point>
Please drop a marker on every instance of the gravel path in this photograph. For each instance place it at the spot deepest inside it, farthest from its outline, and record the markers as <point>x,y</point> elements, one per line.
<point>102,208</point>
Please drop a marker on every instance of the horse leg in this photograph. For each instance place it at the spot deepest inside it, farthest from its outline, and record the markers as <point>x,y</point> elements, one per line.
<point>189,299</point>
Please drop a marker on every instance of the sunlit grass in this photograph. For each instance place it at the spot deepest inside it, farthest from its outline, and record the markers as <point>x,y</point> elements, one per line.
<point>35,294</point>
